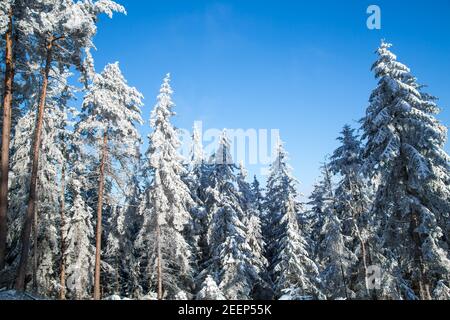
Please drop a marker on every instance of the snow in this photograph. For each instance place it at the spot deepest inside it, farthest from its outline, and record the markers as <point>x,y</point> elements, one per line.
<point>14,295</point>
<point>382,198</point>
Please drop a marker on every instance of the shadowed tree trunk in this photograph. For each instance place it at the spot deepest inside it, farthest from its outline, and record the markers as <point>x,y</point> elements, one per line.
<point>35,254</point>
<point>98,235</point>
<point>62,270</point>
<point>6,137</point>
<point>32,197</point>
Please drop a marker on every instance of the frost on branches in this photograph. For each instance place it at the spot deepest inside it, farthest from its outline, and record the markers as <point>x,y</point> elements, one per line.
<point>291,267</point>
<point>405,146</point>
<point>166,204</point>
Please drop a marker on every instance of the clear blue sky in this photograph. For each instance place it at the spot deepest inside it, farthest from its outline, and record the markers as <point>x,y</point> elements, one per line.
<point>299,66</point>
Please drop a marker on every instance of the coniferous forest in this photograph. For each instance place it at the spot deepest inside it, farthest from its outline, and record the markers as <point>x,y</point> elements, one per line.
<point>86,212</point>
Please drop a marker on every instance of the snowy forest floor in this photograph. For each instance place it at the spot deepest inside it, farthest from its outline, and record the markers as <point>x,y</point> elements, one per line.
<point>14,295</point>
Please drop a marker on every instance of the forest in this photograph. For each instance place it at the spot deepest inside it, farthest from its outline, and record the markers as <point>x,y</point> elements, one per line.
<point>87,213</point>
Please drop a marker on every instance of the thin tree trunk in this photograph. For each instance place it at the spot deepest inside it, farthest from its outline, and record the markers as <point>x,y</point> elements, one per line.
<point>344,281</point>
<point>421,281</point>
<point>118,291</point>
<point>364,256</point>
<point>6,137</point>
<point>98,236</point>
<point>35,253</point>
<point>32,198</point>
<point>159,265</point>
<point>361,241</point>
<point>62,270</point>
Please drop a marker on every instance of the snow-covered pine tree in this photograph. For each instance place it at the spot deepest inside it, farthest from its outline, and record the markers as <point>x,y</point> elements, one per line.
<point>47,246</point>
<point>62,32</point>
<point>111,110</point>
<point>15,90</point>
<point>166,204</point>
<point>290,265</point>
<point>405,146</point>
<point>46,242</point>
<point>230,258</point>
<point>352,201</point>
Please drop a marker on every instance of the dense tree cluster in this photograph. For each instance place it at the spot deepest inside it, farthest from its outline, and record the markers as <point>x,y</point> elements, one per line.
<point>83,214</point>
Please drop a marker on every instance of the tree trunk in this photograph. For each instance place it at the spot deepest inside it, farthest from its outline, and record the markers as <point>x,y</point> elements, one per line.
<point>159,265</point>
<point>344,281</point>
<point>98,236</point>
<point>6,137</point>
<point>62,270</point>
<point>360,238</point>
<point>363,254</point>
<point>32,198</point>
<point>421,282</point>
<point>35,254</point>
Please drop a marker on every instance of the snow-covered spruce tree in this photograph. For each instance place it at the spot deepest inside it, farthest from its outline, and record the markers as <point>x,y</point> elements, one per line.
<point>352,201</point>
<point>111,110</point>
<point>230,260</point>
<point>166,205</point>
<point>320,200</point>
<point>290,266</point>
<point>258,194</point>
<point>197,229</point>
<point>405,147</point>
<point>62,32</point>
<point>123,228</point>
<point>210,291</point>
<point>144,244</point>
<point>336,259</point>
<point>79,250</point>
<point>252,220</point>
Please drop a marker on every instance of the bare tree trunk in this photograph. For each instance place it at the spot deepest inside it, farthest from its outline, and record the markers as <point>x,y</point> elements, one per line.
<point>62,270</point>
<point>98,236</point>
<point>159,265</point>
<point>363,254</point>
<point>32,198</point>
<point>6,137</point>
<point>118,291</point>
<point>35,253</point>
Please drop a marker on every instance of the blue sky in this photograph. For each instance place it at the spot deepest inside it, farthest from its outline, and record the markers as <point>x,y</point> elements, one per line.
<point>299,66</point>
